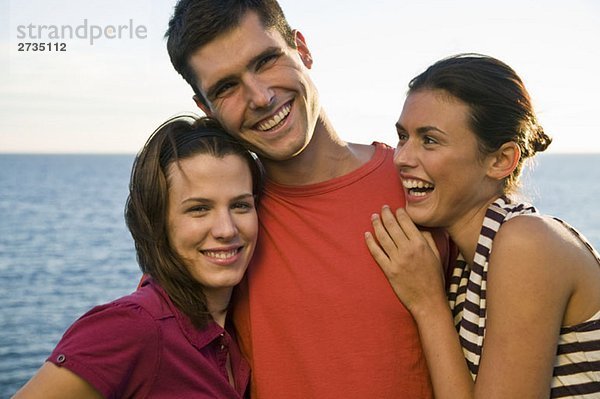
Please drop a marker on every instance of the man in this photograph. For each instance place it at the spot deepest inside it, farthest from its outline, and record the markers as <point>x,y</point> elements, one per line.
<point>316,317</point>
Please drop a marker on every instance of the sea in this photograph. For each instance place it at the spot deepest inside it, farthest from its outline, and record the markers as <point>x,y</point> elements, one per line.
<point>64,246</point>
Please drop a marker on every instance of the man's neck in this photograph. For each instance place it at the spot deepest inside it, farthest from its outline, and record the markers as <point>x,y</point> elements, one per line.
<point>326,157</point>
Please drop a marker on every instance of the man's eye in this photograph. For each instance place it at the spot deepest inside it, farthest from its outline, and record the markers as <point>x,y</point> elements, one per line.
<point>269,59</point>
<point>223,90</point>
<point>429,140</point>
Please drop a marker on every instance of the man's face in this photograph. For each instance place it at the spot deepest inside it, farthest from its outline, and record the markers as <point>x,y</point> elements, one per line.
<point>259,89</point>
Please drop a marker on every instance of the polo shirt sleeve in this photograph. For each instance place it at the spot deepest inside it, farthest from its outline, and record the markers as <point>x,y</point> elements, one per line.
<point>110,347</point>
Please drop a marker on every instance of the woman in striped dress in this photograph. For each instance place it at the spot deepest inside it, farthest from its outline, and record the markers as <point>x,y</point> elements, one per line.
<point>522,303</point>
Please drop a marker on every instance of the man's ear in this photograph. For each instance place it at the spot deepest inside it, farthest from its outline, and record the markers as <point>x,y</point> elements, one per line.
<point>200,104</point>
<point>303,50</point>
<point>504,160</point>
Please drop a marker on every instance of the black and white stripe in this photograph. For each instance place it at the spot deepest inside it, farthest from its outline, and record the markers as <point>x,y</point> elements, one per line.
<point>577,366</point>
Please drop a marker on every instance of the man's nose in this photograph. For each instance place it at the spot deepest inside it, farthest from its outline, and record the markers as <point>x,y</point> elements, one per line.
<point>259,93</point>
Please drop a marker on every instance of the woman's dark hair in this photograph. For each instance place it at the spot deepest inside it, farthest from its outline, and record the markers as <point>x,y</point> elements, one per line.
<point>146,209</point>
<point>500,106</point>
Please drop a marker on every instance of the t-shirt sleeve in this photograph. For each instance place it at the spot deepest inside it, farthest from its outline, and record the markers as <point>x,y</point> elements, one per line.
<point>107,345</point>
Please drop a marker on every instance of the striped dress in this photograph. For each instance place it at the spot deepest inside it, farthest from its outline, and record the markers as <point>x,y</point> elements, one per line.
<point>577,365</point>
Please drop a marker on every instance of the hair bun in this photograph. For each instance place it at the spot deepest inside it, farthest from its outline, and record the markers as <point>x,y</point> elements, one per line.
<point>540,140</point>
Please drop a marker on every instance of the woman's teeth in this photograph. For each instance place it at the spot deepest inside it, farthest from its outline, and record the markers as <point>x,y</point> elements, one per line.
<point>418,188</point>
<point>221,254</point>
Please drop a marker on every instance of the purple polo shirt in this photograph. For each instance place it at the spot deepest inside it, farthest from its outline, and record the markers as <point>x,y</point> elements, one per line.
<point>141,345</point>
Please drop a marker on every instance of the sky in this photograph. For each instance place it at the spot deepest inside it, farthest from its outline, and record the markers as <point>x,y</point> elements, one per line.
<point>107,94</point>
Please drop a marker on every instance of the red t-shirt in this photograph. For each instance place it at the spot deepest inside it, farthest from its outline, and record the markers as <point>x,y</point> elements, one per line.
<point>142,346</point>
<point>316,316</point>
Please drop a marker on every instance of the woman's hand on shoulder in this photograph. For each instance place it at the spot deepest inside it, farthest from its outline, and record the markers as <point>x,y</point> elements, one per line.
<point>409,259</point>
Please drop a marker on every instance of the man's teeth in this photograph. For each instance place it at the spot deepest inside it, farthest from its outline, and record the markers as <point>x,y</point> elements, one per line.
<point>220,254</point>
<point>418,188</point>
<point>269,124</point>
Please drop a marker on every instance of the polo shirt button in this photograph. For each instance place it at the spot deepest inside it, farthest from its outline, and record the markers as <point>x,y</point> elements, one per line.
<point>61,358</point>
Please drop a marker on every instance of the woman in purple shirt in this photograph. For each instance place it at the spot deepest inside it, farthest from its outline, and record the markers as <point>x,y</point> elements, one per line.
<point>191,212</point>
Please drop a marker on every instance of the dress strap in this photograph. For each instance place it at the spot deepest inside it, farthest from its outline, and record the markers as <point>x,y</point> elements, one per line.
<point>467,290</point>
